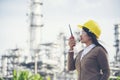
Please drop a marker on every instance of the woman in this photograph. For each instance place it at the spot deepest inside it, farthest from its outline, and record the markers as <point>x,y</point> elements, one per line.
<point>91,63</point>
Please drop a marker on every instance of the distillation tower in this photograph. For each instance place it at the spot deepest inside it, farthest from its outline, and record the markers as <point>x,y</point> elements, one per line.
<point>117,42</point>
<point>35,28</point>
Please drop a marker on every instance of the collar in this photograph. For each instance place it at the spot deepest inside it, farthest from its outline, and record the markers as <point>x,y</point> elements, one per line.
<point>87,49</point>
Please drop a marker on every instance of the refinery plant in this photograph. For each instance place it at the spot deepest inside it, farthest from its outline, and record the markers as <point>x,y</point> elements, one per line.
<point>48,59</point>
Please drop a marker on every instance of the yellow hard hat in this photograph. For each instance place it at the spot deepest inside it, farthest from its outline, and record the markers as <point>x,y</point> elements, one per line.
<point>92,26</point>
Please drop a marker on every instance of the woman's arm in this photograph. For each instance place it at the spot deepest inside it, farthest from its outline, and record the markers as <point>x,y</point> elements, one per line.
<point>71,61</point>
<point>103,64</point>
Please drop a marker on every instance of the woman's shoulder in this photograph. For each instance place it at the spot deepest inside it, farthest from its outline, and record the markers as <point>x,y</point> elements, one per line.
<point>80,52</point>
<point>100,49</point>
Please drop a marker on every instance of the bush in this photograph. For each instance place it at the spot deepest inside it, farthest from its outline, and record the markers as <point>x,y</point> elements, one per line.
<point>1,78</point>
<point>118,78</point>
<point>26,75</point>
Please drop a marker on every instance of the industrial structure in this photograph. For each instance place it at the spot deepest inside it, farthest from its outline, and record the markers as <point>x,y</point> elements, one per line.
<point>115,65</point>
<point>35,29</point>
<point>117,42</point>
<point>9,61</point>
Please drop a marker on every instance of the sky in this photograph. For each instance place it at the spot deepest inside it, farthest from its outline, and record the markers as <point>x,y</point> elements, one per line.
<point>57,14</point>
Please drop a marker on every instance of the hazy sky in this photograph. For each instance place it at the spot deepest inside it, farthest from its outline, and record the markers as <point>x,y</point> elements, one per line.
<point>57,14</point>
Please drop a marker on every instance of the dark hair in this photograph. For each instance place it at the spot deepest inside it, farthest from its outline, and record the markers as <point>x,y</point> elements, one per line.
<point>93,37</point>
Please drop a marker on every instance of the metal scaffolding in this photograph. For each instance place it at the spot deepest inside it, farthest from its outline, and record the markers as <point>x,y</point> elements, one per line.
<point>9,61</point>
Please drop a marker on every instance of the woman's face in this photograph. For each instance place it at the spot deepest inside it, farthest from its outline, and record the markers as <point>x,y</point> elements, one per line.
<point>84,37</point>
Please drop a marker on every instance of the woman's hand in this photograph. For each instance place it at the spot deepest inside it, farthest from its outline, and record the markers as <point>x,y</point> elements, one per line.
<point>72,42</point>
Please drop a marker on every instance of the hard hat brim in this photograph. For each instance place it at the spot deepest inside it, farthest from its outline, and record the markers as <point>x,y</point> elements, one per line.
<point>80,26</point>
